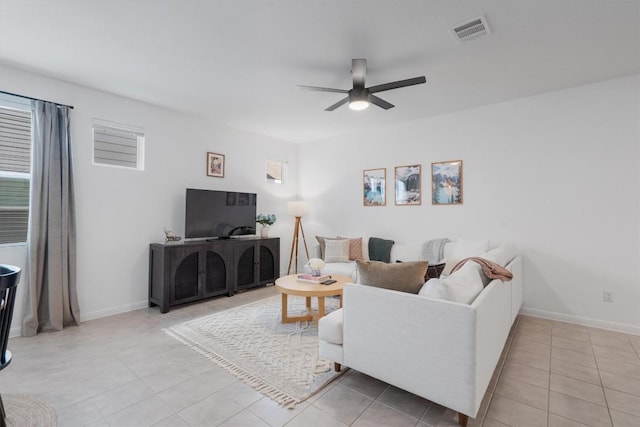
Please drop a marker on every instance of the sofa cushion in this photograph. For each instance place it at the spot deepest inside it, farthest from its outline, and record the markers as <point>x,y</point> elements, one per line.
<point>404,276</point>
<point>501,255</point>
<point>449,263</point>
<point>464,285</point>
<point>467,248</point>
<point>434,288</point>
<point>355,247</point>
<point>405,252</point>
<point>347,269</point>
<point>452,263</point>
<point>330,327</point>
<point>380,249</point>
<point>336,250</point>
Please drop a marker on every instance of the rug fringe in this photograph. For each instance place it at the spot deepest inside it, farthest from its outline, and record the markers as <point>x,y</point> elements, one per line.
<point>256,383</point>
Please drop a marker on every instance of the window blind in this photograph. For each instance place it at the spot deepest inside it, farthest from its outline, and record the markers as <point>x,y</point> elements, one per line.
<point>117,147</point>
<point>15,169</point>
<point>15,140</point>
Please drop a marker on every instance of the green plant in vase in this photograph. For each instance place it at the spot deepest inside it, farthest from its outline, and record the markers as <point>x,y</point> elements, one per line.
<point>265,220</point>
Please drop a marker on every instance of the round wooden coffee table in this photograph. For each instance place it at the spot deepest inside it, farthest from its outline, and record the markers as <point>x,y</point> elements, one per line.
<point>289,285</point>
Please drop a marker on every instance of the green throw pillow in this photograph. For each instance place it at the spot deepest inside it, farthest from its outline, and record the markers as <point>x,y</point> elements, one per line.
<point>380,249</point>
<point>404,277</point>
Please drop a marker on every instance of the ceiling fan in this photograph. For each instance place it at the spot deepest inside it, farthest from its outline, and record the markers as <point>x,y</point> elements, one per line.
<point>360,97</point>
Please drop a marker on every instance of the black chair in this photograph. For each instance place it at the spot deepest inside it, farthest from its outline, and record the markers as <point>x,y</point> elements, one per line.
<point>9,278</point>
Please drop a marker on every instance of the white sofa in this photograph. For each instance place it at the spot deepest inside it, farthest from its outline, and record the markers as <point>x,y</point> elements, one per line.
<point>456,249</point>
<point>438,349</point>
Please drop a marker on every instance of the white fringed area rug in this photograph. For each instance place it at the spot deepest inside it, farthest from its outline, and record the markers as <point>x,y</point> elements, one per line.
<point>279,360</point>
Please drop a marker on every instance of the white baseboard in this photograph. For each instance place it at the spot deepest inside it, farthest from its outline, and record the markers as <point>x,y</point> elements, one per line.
<point>16,331</point>
<point>585,321</point>
<point>113,310</point>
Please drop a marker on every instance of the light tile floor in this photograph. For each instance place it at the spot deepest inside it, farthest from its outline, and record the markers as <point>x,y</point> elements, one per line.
<point>124,370</point>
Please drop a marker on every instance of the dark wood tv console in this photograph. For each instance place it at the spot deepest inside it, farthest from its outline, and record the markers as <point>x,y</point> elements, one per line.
<point>185,272</point>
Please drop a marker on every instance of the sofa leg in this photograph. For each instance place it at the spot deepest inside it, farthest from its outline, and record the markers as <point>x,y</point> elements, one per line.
<point>336,366</point>
<point>462,419</point>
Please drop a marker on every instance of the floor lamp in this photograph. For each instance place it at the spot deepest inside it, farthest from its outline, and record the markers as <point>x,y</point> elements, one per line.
<point>298,210</point>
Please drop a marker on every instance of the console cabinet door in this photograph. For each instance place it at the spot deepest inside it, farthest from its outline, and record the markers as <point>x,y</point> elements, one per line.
<point>185,267</point>
<point>246,264</point>
<point>269,261</point>
<point>217,277</point>
<point>257,263</point>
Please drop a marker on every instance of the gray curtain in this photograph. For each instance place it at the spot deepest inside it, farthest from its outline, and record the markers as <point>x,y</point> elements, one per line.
<point>52,299</point>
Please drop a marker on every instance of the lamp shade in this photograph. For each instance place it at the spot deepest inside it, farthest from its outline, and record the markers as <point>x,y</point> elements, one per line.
<point>298,208</point>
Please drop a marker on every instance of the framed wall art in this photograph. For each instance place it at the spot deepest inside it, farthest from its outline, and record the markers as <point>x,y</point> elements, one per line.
<point>374,187</point>
<point>446,183</point>
<point>275,171</point>
<point>215,165</point>
<point>407,180</point>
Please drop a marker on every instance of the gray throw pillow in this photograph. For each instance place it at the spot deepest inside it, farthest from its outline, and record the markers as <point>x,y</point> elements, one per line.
<point>380,249</point>
<point>404,277</point>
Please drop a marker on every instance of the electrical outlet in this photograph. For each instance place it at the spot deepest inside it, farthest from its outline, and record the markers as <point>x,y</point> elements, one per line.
<point>607,296</point>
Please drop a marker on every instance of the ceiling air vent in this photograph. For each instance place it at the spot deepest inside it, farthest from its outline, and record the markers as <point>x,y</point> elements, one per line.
<point>472,29</point>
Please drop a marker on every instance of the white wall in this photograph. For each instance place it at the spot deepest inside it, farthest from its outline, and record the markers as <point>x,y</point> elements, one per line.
<point>119,211</point>
<point>558,174</point>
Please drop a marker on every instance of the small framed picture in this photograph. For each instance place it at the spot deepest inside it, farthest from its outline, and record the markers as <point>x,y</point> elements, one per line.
<point>374,187</point>
<point>408,189</point>
<point>215,165</point>
<point>446,183</point>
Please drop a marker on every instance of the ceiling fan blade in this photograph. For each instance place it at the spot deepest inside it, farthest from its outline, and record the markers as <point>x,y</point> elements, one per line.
<point>358,71</point>
<point>323,89</point>
<point>380,102</point>
<point>398,84</point>
<point>337,104</point>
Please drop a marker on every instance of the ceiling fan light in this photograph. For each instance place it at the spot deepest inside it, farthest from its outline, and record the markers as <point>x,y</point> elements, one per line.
<point>358,105</point>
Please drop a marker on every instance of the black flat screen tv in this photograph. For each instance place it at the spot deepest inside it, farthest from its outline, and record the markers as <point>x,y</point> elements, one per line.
<point>219,214</point>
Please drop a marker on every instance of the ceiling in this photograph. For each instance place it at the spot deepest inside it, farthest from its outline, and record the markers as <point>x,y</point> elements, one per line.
<point>237,62</point>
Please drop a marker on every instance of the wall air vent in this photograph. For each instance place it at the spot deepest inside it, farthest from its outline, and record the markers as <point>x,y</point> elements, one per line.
<point>472,29</point>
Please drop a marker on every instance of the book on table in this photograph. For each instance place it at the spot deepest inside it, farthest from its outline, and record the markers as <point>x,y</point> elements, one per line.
<point>308,278</point>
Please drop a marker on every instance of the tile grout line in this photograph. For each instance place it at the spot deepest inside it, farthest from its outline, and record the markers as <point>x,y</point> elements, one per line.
<point>578,398</point>
<point>510,340</point>
<point>355,391</point>
<point>549,377</point>
<point>606,401</point>
<point>370,403</point>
